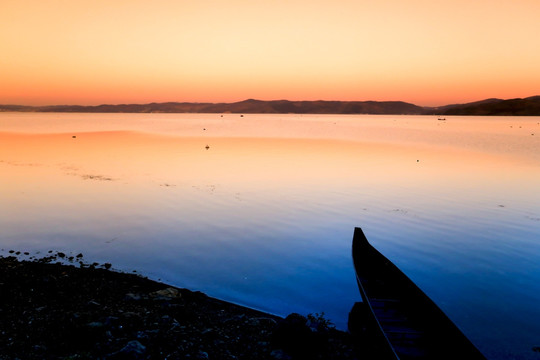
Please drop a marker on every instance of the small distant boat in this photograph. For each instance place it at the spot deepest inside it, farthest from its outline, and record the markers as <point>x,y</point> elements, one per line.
<point>410,324</point>
<point>441,118</point>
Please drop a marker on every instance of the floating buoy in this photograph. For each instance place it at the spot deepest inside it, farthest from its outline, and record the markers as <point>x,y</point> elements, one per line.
<point>207,147</point>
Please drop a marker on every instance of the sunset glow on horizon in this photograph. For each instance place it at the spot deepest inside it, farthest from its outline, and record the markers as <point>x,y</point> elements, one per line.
<point>424,52</point>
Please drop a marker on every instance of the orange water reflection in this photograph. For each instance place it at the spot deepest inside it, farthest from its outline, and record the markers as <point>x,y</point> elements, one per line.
<point>247,162</point>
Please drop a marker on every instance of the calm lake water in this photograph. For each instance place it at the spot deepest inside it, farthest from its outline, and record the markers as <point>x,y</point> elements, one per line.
<point>260,209</point>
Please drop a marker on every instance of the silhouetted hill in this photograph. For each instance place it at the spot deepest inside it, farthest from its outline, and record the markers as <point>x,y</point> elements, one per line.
<point>492,107</point>
<point>441,109</point>
<point>247,106</point>
<point>527,106</point>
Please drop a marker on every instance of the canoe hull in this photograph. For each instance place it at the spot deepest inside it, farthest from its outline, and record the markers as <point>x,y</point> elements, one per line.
<point>413,326</point>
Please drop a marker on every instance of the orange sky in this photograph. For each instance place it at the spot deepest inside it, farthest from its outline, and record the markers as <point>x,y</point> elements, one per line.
<point>428,52</point>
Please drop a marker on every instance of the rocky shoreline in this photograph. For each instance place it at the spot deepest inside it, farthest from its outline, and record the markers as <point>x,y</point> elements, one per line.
<point>53,310</point>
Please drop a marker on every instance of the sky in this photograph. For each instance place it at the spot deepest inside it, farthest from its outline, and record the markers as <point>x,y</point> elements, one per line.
<point>426,52</point>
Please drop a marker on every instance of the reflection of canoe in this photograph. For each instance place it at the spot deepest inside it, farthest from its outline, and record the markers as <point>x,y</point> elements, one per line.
<point>410,323</point>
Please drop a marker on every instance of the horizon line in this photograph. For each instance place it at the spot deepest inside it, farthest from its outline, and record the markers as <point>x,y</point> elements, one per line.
<point>274,100</point>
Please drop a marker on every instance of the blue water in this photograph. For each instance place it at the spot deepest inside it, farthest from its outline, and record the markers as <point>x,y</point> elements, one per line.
<point>265,216</point>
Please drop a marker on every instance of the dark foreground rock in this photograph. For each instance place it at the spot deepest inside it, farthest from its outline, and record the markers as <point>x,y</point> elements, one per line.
<point>54,311</point>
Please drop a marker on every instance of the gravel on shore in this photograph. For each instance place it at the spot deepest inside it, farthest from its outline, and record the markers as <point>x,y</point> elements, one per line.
<point>50,310</point>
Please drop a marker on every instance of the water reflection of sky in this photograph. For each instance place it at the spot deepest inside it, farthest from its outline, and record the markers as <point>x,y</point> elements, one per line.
<point>265,215</point>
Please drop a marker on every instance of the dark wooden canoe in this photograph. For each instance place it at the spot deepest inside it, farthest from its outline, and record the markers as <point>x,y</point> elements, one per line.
<point>410,323</point>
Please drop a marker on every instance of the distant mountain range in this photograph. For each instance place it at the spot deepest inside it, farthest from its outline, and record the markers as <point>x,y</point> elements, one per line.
<point>494,107</point>
<point>528,106</point>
